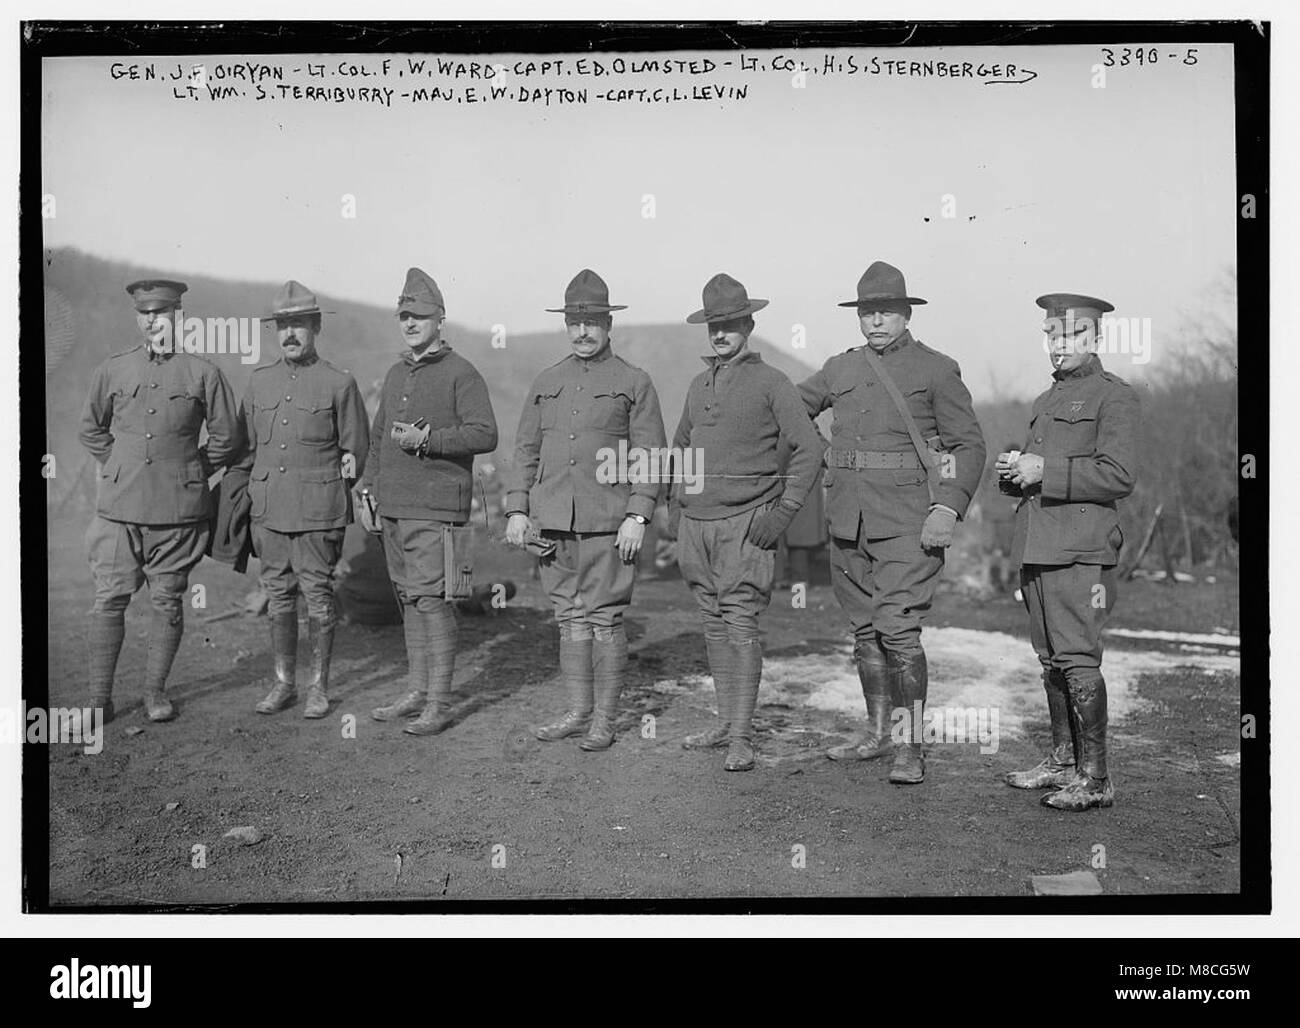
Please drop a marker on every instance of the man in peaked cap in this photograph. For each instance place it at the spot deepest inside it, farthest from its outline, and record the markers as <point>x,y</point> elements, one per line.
<point>1079,458</point>
<point>738,415</point>
<point>896,484</point>
<point>307,442</point>
<point>141,422</point>
<point>577,415</point>
<point>434,415</point>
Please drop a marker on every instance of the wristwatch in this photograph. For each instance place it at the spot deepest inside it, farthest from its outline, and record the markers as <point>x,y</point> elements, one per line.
<point>640,519</point>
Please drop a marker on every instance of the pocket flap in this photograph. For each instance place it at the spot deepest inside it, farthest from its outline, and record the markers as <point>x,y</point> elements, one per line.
<point>1087,412</point>
<point>320,476</point>
<point>909,477</point>
<point>260,474</point>
<point>547,393</point>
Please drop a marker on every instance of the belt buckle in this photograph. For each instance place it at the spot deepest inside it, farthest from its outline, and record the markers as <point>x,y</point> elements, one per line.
<point>860,462</point>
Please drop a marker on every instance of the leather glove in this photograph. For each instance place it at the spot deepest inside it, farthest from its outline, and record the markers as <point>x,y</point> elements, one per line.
<point>410,438</point>
<point>936,533</point>
<point>766,529</point>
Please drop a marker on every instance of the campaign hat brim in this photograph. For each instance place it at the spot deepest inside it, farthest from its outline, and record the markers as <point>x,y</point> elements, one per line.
<point>588,308</point>
<point>704,316</point>
<point>863,300</point>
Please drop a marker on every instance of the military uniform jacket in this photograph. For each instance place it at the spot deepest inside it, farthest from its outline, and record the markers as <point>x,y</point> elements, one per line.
<point>438,485</point>
<point>576,409</point>
<point>301,418</point>
<point>1085,428</point>
<point>891,502</point>
<point>747,424</point>
<point>141,423</point>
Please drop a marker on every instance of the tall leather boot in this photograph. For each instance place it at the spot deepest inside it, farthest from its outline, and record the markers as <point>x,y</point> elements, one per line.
<point>609,662</point>
<point>1091,785</point>
<point>1058,767</point>
<point>911,678</point>
<point>747,661</point>
<point>874,676</point>
<point>417,661</point>
<point>164,640</point>
<point>720,666</point>
<point>321,634</point>
<point>107,630</point>
<point>579,687</point>
<point>284,650</point>
<point>440,632</point>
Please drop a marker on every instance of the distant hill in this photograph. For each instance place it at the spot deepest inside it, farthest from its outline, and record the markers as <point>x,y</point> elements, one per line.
<point>89,317</point>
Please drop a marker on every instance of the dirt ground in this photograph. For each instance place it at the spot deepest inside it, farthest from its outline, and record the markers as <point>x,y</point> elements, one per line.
<point>484,811</point>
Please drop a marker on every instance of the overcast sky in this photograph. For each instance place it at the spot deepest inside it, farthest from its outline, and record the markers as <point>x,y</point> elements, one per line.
<point>1126,192</point>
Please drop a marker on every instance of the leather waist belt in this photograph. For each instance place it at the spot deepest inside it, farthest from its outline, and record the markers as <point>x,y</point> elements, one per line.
<point>873,460</point>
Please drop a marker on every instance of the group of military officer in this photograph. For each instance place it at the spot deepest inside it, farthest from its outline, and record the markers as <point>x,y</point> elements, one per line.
<point>906,456</point>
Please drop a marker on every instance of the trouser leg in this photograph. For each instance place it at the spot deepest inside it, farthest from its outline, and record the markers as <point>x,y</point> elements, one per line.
<point>321,634</point>
<point>412,701</point>
<point>116,562</point>
<point>877,692</point>
<point>609,664</point>
<point>697,571</point>
<point>1058,767</point>
<point>441,632</point>
<point>284,656</point>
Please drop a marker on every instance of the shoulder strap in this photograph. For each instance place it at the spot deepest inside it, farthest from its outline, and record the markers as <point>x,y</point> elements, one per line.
<point>929,459</point>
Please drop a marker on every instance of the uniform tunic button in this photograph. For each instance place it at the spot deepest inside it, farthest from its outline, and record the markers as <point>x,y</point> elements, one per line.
<point>575,412</point>
<point>284,421</point>
<point>573,437</point>
<point>403,399</point>
<point>153,385</point>
<point>148,435</point>
<point>1039,439</point>
<point>148,460</point>
<point>282,470</point>
<point>152,411</point>
<point>288,397</point>
<point>284,446</point>
<point>573,461</point>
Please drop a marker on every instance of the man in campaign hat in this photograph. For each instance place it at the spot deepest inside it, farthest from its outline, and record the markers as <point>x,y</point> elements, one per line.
<point>307,442</point>
<point>141,422</point>
<point>906,456</point>
<point>740,417</point>
<point>434,415</point>
<point>1079,458</point>
<point>576,417</point>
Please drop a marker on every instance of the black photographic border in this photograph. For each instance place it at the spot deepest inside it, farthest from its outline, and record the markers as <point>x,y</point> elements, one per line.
<point>1251,45</point>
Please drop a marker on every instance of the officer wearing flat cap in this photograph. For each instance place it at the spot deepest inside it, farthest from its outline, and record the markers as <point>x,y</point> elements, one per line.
<point>746,423</point>
<point>906,456</point>
<point>1078,459</point>
<point>575,417</point>
<point>307,441</point>
<point>434,415</point>
<point>141,422</point>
